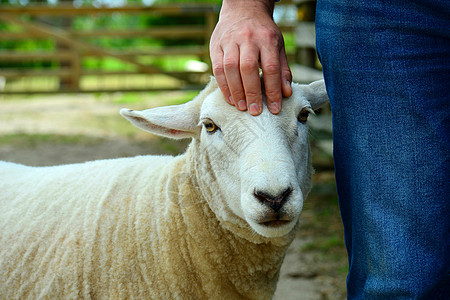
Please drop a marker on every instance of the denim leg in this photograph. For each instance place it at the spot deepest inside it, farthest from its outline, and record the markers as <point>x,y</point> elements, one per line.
<point>387,70</point>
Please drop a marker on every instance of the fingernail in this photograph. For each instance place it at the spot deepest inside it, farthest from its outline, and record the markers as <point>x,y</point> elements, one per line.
<point>274,108</point>
<point>253,109</point>
<point>230,100</point>
<point>242,105</point>
<point>288,82</point>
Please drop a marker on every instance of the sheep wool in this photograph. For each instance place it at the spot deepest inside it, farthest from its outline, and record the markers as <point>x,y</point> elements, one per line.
<point>147,227</point>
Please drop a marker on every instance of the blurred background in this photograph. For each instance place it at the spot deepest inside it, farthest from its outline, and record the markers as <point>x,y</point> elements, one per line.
<point>67,67</point>
<point>110,45</point>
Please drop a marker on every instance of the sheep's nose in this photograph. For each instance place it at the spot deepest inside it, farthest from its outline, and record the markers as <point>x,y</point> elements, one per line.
<point>274,202</point>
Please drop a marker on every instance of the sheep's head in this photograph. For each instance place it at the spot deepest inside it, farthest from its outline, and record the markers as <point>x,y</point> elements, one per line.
<point>261,165</point>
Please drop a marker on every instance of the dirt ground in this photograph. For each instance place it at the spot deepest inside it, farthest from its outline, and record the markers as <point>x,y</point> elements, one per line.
<point>61,129</point>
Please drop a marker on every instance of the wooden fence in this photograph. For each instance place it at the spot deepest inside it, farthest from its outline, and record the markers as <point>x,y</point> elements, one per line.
<point>72,46</point>
<point>66,70</point>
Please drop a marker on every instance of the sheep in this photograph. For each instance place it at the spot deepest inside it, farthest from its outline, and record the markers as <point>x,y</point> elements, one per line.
<point>212,223</point>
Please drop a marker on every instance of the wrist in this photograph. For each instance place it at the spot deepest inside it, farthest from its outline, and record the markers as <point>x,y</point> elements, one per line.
<point>247,7</point>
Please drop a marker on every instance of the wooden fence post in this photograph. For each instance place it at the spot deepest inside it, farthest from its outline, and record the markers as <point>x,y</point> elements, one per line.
<point>71,83</point>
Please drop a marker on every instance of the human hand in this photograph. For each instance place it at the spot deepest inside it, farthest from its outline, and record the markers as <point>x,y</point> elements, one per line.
<point>245,39</point>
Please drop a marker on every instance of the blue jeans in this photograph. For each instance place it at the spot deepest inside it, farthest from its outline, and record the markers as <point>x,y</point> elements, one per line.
<point>387,70</point>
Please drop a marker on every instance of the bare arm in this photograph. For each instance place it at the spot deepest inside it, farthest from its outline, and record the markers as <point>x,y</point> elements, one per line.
<point>245,39</point>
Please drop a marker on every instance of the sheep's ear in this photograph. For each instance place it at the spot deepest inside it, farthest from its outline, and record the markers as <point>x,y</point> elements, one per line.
<point>315,93</point>
<point>175,121</point>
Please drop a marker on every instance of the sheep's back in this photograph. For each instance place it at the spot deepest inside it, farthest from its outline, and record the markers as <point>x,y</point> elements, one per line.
<point>66,229</point>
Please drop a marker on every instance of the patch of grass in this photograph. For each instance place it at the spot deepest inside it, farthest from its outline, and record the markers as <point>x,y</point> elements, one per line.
<point>325,189</point>
<point>128,98</point>
<point>169,147</point>
<point>156,98</point>
<point>32,140</point>
<point>165,146</point>
<point>113,124</point>
<point>324,216</point>
<point>325,244</point>
<point>137,81</point>
<point>320,134</point>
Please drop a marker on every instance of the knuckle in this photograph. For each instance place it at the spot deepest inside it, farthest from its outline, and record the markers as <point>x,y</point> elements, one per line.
<point>249,65</point>
<point>272,68</point>
<point>287,74</point>
<point>218,69</point>
<point>224,88</point>
<point>286,71</point>
<point>252,95</point>
<point>273,35</point>
<point>230,63</point>
<point>274,96</point>
<point>246,33</point>
<point>237,96</point>
<point>236,92</point>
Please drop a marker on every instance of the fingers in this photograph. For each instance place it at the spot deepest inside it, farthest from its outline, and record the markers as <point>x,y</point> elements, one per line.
<point>271,67</point>
<point>249,68</point>
<point>233,75</point>
<point>239,80</point>
<point>219,73</point>
<point>286,75</point>
<point>237,53</point>
<point>277,77</point>
<point>239,77</point>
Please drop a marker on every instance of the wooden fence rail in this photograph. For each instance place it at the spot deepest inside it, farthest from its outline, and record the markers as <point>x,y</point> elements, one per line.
<point>65,68</point>
<point>72,46</point>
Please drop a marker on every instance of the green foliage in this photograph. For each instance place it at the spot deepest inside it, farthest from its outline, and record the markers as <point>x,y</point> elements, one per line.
<point>107,22</point>
<point>185,97</point>
<point>289,41</point>
<point>183,1</point>
<point>107,64</point>
<point>116,21</point>
<point>128,98</point>
<point>24,46</point>
<point>90,2</point>
<point>177,98</point>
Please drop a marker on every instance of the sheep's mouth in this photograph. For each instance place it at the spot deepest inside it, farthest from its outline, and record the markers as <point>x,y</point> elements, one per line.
<point>275,223</point>
<point>274,220</point>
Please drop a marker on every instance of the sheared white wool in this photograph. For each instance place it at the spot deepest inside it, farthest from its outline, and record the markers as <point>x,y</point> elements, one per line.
<point>161,227</point>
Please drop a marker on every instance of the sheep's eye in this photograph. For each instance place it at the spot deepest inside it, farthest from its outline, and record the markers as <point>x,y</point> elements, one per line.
<point>303,115</point>
<point>210,126</point>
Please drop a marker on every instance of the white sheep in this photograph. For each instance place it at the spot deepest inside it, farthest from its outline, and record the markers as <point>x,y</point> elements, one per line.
<point>212,223</point>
